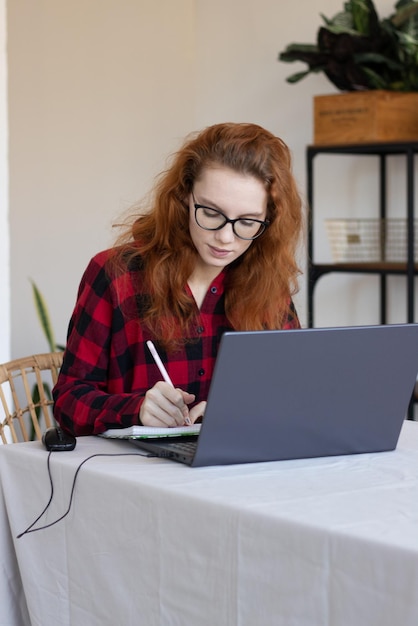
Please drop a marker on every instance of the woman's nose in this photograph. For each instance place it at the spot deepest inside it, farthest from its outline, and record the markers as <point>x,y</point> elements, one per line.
<point>226,233</point>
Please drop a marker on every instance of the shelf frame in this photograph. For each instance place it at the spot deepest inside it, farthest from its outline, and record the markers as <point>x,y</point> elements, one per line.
<point>408,269</point>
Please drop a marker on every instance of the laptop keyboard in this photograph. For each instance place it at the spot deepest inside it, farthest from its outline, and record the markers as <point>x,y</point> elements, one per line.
<point>184,447</point>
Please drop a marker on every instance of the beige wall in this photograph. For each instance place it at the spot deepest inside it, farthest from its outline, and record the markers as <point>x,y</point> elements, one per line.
<point>100,92</point>
<point>4,198</point>
<point>98,95</point>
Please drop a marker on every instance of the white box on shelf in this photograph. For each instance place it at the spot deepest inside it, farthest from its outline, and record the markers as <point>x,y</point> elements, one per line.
<point>370,240</point>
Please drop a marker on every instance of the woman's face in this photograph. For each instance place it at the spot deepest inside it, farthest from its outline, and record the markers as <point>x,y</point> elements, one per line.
<point>236,196</point>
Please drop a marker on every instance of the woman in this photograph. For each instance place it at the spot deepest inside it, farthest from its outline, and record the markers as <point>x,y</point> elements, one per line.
<point>214,252</point>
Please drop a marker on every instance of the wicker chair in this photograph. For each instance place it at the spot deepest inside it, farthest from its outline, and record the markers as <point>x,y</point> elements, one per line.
<point>25,399</point>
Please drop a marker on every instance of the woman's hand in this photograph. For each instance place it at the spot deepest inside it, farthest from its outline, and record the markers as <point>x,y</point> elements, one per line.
<point>165,406</point>
<point>197,411</point>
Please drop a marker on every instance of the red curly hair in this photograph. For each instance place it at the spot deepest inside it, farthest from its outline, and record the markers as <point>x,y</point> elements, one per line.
<point>261,282</point>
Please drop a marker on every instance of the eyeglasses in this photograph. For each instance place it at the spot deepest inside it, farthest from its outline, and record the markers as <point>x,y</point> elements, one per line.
<point>212,219</point>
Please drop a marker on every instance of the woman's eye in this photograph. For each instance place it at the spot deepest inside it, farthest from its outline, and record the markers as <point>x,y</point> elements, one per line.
<point>211,212</point>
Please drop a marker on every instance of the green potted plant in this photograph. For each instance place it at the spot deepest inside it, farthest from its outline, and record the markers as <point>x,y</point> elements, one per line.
<point>356,50</point>
<point>374,62</point>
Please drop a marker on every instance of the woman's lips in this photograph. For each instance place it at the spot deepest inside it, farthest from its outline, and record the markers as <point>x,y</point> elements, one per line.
<point>220,253</point>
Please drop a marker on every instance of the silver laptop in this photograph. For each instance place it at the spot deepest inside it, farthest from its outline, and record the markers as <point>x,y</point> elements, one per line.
<point>293,394</point>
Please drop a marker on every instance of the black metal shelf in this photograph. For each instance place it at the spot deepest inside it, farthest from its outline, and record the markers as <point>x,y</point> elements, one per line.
<point>408,269</point>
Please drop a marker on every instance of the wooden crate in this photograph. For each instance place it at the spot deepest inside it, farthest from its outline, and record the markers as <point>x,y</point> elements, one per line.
<point>365,117</point>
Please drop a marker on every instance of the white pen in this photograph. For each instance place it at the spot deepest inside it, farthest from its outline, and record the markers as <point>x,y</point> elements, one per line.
<point>163,371</point>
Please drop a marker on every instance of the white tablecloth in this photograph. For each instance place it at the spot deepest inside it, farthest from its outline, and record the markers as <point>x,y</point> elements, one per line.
<point>316,542</point>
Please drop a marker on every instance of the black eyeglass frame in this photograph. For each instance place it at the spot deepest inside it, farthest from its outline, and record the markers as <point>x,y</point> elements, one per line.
<point>263,224</point>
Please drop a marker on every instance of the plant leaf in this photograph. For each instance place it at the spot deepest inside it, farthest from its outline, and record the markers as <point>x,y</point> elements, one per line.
<point>404,13</point>
<point>373,57</point>
<point>375,80</point>
<point>295,78</point>
<point>43,315</point>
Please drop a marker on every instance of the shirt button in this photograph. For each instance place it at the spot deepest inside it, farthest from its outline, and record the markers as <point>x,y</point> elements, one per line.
<point>201,372</point>
<point>214,290</point>
<point>200,329</point>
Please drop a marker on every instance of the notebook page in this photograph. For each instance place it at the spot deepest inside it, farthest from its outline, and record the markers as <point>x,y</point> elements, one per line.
<point>140,432</point>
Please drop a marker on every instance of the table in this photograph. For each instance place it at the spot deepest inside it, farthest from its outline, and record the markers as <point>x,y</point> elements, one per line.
<point>329,541</point>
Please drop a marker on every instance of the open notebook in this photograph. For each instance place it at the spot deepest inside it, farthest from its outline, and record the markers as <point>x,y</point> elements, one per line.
<point>303,393</point>
<point>146,432</point>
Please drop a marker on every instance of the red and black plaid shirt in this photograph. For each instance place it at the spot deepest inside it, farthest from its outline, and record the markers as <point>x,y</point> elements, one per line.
<point>107,367</point>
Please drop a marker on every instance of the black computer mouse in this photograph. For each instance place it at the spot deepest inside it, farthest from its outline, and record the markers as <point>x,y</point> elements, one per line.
<point>57,440</point>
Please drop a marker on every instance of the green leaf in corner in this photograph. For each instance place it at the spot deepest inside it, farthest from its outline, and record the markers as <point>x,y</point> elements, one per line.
<point>43,314</point>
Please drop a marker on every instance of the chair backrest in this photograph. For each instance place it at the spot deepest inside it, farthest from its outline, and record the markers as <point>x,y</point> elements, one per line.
<point>25,396</point>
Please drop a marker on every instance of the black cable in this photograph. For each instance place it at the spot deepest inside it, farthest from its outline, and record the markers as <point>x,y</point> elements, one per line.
<point>30,528</point>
